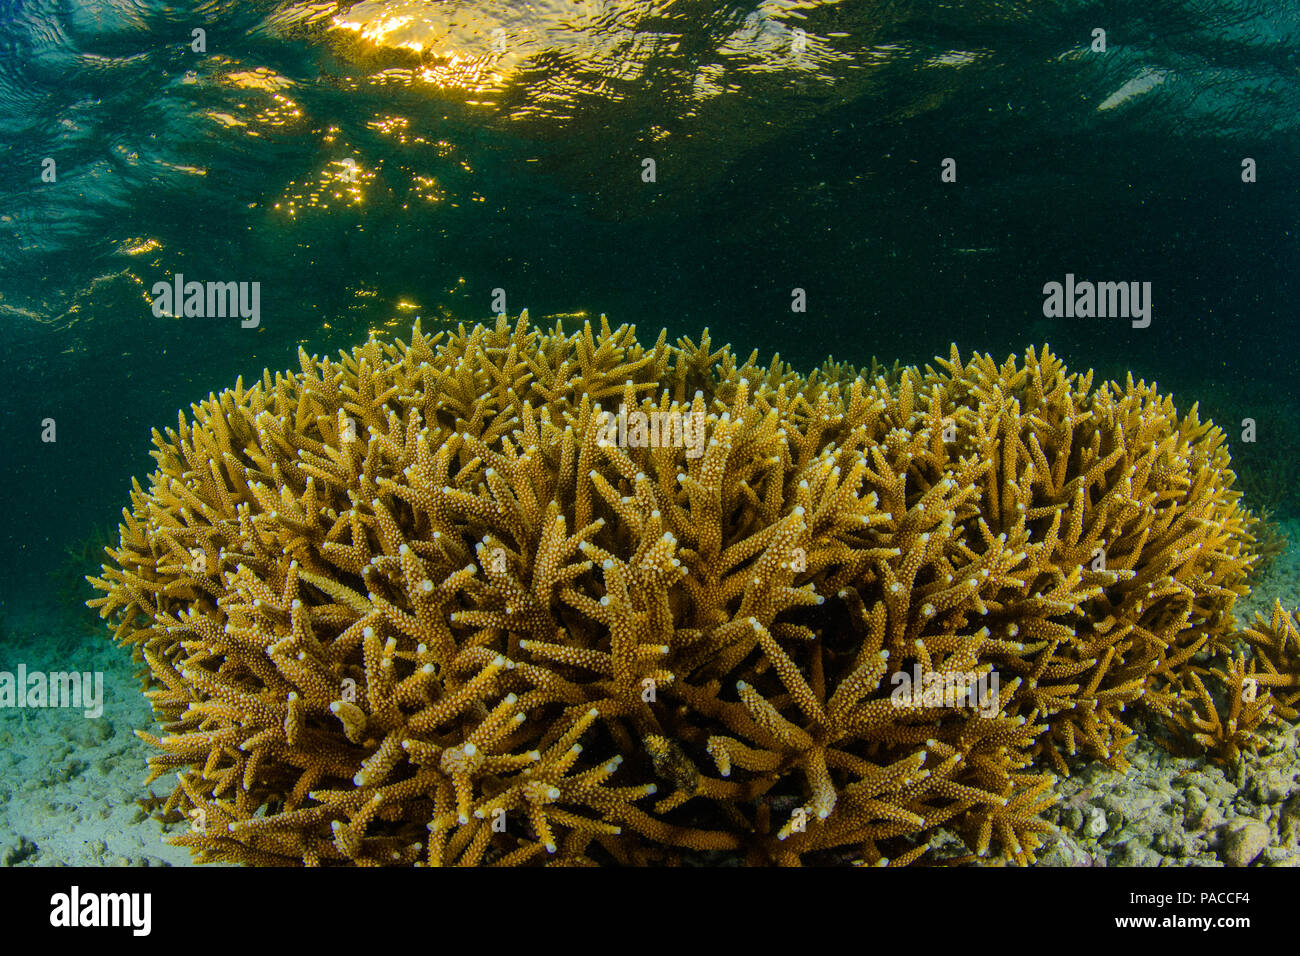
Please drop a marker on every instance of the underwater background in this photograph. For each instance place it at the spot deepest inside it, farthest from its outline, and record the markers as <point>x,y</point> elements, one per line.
<point>373,162</point>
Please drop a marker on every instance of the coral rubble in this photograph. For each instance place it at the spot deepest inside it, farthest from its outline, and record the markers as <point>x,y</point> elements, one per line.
<point>420,604</point>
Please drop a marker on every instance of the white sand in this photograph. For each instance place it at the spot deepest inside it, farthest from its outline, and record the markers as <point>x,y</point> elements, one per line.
<point>69,783</point>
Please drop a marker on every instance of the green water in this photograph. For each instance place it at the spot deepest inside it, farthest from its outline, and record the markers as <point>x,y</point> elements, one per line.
<point>366,164</point>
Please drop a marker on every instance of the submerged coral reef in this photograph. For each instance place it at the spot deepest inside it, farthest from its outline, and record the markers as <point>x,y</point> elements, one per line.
<point>462,601</point>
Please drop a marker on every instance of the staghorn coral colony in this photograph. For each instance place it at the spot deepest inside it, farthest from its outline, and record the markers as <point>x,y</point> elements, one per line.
<point>424,604</point>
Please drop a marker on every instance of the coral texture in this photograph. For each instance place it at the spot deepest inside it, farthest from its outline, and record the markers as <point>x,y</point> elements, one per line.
<point>1276,643</point>
<point>455,601</point>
